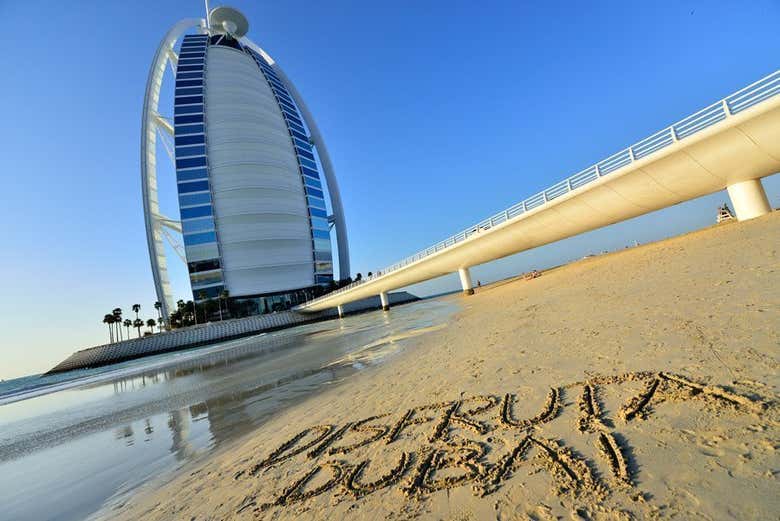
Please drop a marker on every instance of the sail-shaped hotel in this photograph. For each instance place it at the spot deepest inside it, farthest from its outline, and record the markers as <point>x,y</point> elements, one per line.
<point>252,171</point>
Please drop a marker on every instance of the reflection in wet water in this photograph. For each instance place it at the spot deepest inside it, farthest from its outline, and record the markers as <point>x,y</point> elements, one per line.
<point>66,454</point>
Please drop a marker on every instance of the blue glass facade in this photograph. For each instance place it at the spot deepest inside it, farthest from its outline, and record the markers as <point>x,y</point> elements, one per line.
<point>192,173</point>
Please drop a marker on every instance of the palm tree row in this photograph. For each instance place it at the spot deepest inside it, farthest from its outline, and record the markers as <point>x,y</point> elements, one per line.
<point>186,314</point>
<point>115,322</point>
<point>190,313</point>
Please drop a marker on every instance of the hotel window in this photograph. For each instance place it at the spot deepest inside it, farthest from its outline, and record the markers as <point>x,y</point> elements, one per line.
<point>189,100</point>
<point>314,192</point>
<point>189,109</point>
<point>302,137</point>
<point>198,225</point>
<point>189,140</point>
<point>194,199</point>
<point>189,83</point>
<point>197,211</point>
<point>307,155</point>
<point>190,162</point>
<point>312,182</point>
<point>207,265</point>
<point>321,245</point>
<point>311,173</point>
<point>194,150</point>
<point>189,129</point>
<point>316,212</point>
<point>295,127</point>
<point>307,162</point>
<point>291,117</point>
<point>200,238</point>
<point>315,202</point>
<point>187,119</point>
<point>318,222</point>
<point>197,186</point>
<point>189,68</point>
<point>191,175</point>
<point>302,144</point>
<point>188,91</point>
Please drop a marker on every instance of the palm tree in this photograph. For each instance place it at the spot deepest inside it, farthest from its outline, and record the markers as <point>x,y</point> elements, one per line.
<point>108,319</point>
<point>138,324</point>
<point>136,308</point>
<point>201,297</point>
<point>158,307</point>
<point>128,323</point>
<point>118,320</point>
<point>151,323</point>
<point>223,296</point>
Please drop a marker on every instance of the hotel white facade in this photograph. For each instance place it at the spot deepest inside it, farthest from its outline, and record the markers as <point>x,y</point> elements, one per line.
<point>252,171</point>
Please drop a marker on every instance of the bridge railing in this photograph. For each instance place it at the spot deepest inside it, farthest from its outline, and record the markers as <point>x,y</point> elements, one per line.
<point>739,101</point>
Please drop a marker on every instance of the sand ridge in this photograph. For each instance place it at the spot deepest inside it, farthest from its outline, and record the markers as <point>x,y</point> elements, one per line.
<point>641,384</point>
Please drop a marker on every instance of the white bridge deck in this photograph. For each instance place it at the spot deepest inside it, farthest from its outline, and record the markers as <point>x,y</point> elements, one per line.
<point>730,144</point>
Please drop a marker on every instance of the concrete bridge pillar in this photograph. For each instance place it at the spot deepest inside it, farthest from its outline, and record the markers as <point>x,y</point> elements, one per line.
<point>340,308</point>
<point>465,281</point>
<point>385,301</point>
<point>749,199</point>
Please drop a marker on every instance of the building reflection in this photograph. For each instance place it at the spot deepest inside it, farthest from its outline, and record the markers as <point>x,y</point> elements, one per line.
<point>179,425</point>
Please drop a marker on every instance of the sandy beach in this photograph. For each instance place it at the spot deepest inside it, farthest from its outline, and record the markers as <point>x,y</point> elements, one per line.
<point>638,384</point>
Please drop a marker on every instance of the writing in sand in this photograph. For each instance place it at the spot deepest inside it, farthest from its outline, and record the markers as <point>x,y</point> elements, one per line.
<point>478,441</point>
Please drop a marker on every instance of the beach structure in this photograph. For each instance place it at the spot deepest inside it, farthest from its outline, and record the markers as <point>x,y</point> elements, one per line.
<point>252,171</point>
<point>724,214</point>
<point>730,145</point>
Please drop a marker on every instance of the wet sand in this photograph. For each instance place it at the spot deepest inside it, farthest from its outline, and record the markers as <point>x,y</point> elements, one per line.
<point>639,384</point>
<point>86,441</point>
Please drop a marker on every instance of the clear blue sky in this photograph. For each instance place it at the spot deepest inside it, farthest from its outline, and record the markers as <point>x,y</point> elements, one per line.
<point>436,114</point>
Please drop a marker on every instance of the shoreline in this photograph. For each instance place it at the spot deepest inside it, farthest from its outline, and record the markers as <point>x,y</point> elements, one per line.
<point>202,335</point>
<point>675,342</point>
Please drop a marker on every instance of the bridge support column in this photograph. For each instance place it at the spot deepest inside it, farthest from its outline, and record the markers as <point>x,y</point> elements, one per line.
<point>465,281</point>
<point>340,308</point>
<point>385,301</point>
<point>749,199</point>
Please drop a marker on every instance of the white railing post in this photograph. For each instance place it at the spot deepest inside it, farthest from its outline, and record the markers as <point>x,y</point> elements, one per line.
<point>506,215</point>
<point>726,109</point>
<point>598,170</point>
<point>674,134</point>
<point>631,154</point>
<point>568,183</point>
<point>524,207</point>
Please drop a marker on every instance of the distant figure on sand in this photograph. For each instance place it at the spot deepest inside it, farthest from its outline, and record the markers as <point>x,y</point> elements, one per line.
<point>532,275</point>
<point>479,283</point>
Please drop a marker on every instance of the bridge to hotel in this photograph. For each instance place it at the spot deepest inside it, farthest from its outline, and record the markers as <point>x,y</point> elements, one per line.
<point>730,144</point>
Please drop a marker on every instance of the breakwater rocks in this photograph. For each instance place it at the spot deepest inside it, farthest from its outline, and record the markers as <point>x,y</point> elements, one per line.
<point>209,333</point>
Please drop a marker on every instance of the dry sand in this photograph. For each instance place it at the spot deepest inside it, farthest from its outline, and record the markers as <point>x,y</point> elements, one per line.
<point>638,384</point>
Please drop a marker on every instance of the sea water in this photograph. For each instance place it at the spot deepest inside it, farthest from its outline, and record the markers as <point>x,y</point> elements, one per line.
<point>78,444</point>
